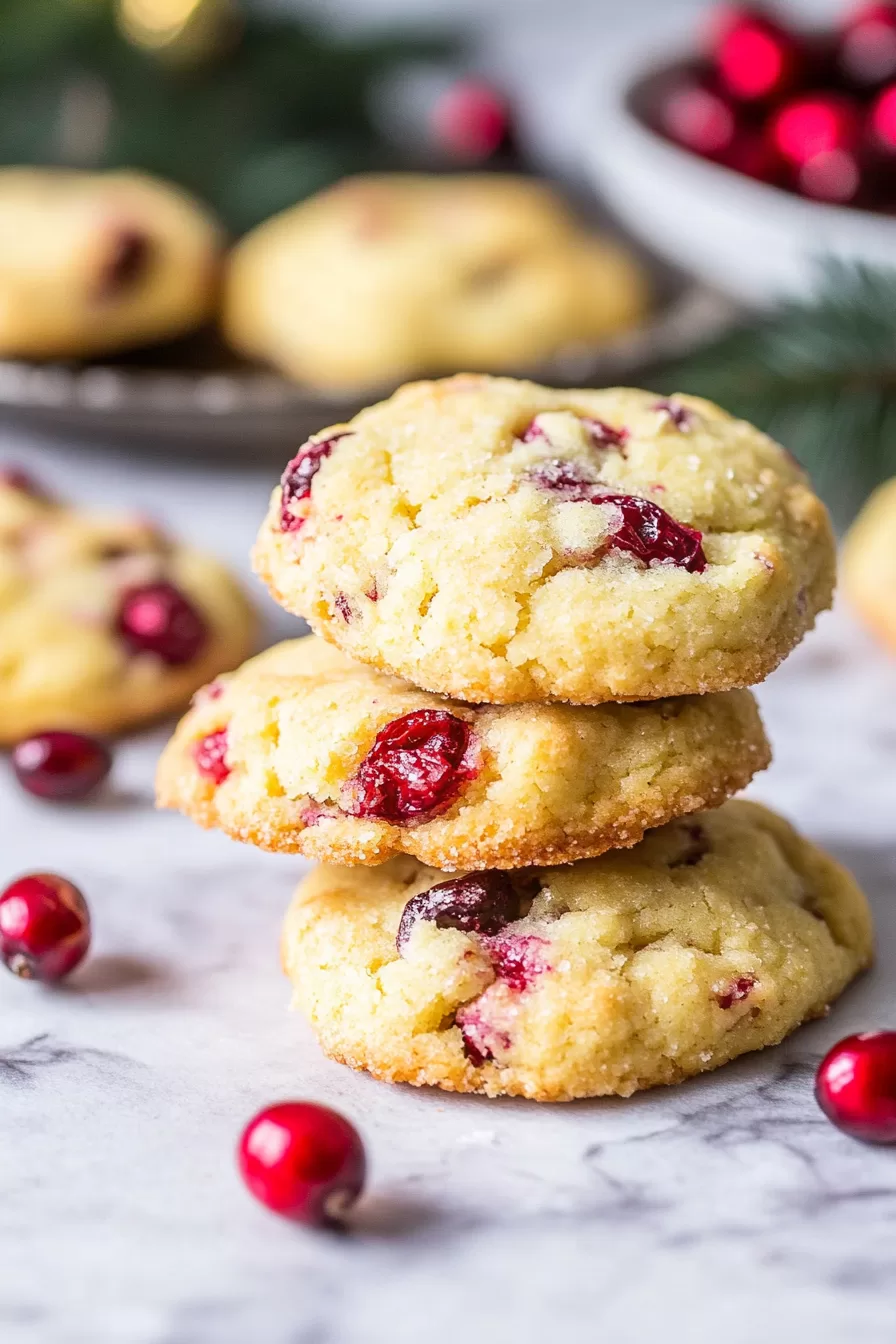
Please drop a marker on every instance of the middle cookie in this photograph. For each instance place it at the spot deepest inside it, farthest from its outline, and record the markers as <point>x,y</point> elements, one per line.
<point>304,751</point>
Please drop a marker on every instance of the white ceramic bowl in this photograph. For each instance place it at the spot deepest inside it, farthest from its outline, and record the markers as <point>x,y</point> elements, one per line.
<point>753,242</point>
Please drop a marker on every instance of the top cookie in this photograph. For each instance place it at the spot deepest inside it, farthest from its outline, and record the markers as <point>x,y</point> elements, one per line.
<point>104,621</point>
<point>382,278</point>
<point>96,262</point>
<point>502,542</point>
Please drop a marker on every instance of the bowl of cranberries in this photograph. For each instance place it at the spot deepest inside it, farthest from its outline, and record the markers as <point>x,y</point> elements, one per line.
<point>760,153</point>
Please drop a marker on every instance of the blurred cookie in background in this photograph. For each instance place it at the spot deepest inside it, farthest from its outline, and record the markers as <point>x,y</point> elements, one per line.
<point>105,622</point>
<point>92,263</point>
<point>868,564</point>
<point>384,277</point>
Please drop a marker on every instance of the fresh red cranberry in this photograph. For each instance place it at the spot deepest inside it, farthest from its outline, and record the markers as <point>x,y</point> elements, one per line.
<point>856,1086</point>
<point>835,175</point>
<point>673,411</point>
<point>297,478</point>
<point>479,903</point>
<point>756,58</point>
<point>157,618</point>
<point>44,927</point>
<point>867,51</point>
<point>883,120</point>
<point>815,124</point>
<point>518,959</point>
<point>560,476</point>
<point>603,435</point>
<point>61,765</point>
<point>126,262</point>
<point>696,846</point>
<point>415,768</point>
<point>210,755</point>
<point>699,119</point>
<point>471,120</point>
<point>649,533</point>
<point>736,992</point>
<point>303,1161</point>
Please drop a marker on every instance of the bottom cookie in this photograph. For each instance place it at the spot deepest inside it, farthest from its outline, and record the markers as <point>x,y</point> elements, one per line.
<point>714,936</point>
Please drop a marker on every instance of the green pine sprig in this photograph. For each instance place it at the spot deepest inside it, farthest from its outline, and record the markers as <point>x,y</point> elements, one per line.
<point>819,376</point>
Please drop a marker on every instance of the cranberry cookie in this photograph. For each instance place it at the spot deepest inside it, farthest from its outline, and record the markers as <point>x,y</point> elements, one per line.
<point>383,278</point>
<point>499,541</point>
<point>93,263</point>
<point>104,623</point>
<point>304,751</point>
<point>869,564</point>
<point>714,936</point>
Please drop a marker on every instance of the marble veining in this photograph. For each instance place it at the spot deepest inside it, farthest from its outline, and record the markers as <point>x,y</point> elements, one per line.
<point>724,1209</point>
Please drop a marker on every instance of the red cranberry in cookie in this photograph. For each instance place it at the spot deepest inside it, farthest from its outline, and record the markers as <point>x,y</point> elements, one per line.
<point>297,479</point>
<point>416,768</point>
<point>157,618</point>
<point>478,903</point>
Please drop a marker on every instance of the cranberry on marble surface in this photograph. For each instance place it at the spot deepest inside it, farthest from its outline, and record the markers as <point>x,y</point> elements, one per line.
<point>157,618</point>
<point>416,767</point>
<point>736,991</point>
<point>44,927</point>
<point>303,1161</point>
<point>61,765</point>
<point>299,474</point>
<point>210,755</point>
<point>856,1086</point>
<point>478,903</point>
<point>649,533</point>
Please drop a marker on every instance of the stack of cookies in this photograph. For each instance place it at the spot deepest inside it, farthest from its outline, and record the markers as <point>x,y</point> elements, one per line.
<point>513,752</point>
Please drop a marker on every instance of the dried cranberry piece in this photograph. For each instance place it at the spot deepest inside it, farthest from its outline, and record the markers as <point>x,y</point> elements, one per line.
<point>210,755</point>
<point>737,991</point>
<point>675,413</point>
<point>518,959</point>
<point>560,476</point>
<point>478,903</point>
<point>603,435</point>
<point>300,472</point>
<point>126,262</point>
<point>157,618</point>
<point>416,767</point>
<point>649,533</point>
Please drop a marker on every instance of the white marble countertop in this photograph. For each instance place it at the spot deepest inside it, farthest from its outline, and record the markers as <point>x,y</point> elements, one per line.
<point>725,1209</point>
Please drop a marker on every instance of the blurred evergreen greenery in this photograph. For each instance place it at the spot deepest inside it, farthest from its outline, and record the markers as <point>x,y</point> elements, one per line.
<point>818,375</point>
<point>262,119</point>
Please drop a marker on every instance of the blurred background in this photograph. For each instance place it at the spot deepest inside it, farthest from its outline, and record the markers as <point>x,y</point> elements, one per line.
<point>722,216</point>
